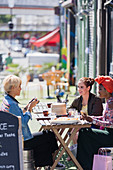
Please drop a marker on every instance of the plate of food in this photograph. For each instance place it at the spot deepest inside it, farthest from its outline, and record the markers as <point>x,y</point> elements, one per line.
<point>65,120</point>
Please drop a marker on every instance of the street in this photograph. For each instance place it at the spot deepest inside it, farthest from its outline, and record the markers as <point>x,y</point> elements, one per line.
<point>18,57</point>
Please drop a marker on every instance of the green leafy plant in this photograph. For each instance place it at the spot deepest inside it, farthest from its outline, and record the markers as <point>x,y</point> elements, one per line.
<point>13,65</point>
<point>45,67</point>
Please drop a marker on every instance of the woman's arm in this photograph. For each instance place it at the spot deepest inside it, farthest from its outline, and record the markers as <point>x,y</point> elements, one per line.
<point>30,105</point>
<point>104,123</point>
<point>107,120</point>
<point>108,115</point>
<point>16,110</point>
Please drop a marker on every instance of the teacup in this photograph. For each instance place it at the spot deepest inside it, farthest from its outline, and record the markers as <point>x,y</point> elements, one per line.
<point>49,105</point>
<point>45,112</point>
<point>71,112</point>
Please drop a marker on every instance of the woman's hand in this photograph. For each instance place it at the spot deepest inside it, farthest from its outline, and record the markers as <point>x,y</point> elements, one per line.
<point>85,117</point>
<point>32,104</point>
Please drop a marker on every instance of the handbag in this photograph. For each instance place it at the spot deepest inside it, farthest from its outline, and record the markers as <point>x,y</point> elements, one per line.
<point>103,161</point>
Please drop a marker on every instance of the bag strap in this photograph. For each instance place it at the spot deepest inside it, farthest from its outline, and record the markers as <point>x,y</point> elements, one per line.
<point>104,150</point>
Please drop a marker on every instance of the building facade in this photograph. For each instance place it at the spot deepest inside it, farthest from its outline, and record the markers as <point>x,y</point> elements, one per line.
<point>30,15</point>
<point>93,36</point>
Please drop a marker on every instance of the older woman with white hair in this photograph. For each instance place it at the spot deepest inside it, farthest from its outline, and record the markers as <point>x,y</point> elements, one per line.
<point>43,143</point>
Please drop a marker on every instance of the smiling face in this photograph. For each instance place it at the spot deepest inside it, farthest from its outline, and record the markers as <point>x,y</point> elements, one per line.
<point>82,89</point>
<point>102,91</point>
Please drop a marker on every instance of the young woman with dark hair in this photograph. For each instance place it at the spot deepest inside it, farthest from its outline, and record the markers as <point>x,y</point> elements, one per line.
<point>87,102</point>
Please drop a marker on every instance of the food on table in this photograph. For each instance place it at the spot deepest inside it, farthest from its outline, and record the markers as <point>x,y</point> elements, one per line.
<point>66,119</point>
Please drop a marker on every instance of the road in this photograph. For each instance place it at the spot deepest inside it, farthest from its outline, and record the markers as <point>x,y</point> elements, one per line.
<point>18,57</point>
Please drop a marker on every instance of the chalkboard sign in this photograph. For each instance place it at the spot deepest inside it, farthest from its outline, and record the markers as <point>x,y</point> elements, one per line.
<point>10,143</point>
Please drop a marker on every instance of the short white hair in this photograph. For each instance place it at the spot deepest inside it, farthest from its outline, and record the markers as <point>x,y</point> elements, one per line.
<point>11,81</point>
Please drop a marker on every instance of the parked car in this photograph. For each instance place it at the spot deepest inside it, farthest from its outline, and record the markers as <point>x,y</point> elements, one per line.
<point>16,47</point>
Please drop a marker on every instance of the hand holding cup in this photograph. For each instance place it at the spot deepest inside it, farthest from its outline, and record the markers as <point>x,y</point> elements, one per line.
<point>86,117</point>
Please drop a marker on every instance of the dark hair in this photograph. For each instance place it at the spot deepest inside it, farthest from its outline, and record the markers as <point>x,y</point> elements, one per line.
<point>87,81</point>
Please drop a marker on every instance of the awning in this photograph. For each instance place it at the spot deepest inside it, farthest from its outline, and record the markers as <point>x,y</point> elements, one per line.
<point>50,38</point>
<point>32,39</point>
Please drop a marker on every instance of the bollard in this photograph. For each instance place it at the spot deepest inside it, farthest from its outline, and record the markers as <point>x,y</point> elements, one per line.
<point>28,160</point>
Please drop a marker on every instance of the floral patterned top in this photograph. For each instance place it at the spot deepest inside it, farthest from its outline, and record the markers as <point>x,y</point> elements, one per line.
<point>107,119</point>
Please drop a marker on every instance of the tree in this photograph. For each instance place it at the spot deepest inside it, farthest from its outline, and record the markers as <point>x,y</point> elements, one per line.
<point>4,18</point>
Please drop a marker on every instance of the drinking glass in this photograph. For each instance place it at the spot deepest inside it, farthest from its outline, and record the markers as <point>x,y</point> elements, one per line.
<point>72,112</point>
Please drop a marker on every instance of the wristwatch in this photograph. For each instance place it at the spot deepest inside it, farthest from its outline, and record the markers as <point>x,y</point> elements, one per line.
<point>25,108</point>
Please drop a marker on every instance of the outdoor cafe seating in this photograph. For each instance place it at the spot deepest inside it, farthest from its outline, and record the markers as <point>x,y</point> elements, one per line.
<point>54,79</point>
<point>49,78</point>
<point>61,125</point>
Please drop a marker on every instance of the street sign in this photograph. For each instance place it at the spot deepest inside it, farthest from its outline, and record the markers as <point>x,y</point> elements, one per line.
<point>26,36</point>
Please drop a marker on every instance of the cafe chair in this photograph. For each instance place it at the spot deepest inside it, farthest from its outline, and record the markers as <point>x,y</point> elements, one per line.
<point>64,101</point>
<point>64,83</point>
<point>59,92</point>
<point>49,78</point>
